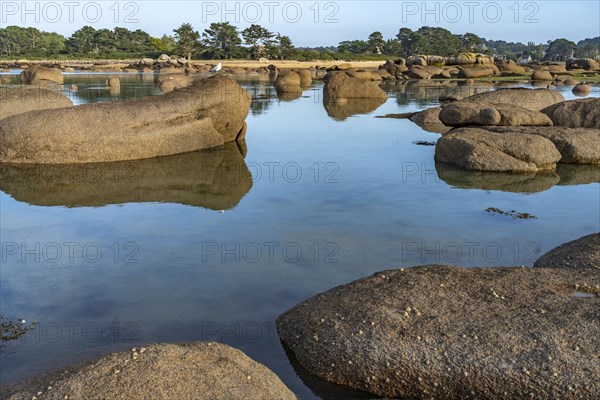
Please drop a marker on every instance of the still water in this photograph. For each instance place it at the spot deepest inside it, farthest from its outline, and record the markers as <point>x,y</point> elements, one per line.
<point>215,245</point>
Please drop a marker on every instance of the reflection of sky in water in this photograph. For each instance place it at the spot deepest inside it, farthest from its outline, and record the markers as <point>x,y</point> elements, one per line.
<point>388,209</point>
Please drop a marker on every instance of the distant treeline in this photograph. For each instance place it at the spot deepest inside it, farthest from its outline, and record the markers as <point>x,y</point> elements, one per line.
<point>226,41</point>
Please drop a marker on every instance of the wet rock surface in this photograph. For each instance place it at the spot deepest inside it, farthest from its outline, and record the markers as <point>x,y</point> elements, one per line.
<point>447,332</point>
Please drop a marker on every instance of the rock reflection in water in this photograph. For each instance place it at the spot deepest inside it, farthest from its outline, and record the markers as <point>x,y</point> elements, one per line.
<point>342,109</point>
<point>566,174</point>
<point>216,179</point>
<point>427,92</point>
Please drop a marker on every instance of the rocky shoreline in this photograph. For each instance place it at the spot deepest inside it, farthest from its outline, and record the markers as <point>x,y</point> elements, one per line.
<point>432,331</point>
<point>447,332</point>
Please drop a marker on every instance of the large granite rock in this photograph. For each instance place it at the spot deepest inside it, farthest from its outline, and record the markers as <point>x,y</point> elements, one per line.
<point>541,75</point>
<point>205,115</point>
<point>170,82</point>
<point>465,113</point>
<point>23,99</point>
<point>580,253</point>
<point>581,113</point>
<point>482,150</point>
<point>533,99</point>
<point>194,371</point>
<point>450,333</point>
<point>305,77</point>
<point>469,73</point>
<point>288,82</point>
<point>576,145</point>
<point>342,86</point>
<point>38,74</point>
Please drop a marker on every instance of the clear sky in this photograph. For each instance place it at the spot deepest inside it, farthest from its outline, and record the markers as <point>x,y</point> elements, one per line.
<point>314,23</point>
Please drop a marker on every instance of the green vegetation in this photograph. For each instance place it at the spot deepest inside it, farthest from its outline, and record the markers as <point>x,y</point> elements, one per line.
<point>225,41</point>
<point>512,213</point>
<point>12,330</point>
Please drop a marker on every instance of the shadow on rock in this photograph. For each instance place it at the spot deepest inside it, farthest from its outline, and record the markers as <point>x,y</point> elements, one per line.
<point>565,175</point>
<point>216,179</point>
<point>344,108</point>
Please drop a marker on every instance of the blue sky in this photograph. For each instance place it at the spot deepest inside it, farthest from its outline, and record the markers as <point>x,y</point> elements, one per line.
<point>313,23</point>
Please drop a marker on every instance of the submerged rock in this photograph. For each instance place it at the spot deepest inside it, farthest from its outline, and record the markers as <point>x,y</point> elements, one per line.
<point>205,115</point>
<point>430,121</point>
<point>482,150</point>
<point>581,253</point>
<point>581,113</point>
<point>194,371</point>
<point>449,333</point>
<point>23,99</point>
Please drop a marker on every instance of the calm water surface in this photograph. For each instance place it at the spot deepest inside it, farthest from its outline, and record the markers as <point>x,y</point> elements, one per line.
<point>215,245</point>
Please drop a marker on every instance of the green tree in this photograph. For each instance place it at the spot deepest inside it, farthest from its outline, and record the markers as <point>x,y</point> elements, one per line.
<point>436,41</point>
<point>560,50</point>
<point>353,46</point>
<point>538,54</point>
<point>376,42</point>
<point>187,40</point>
<point>82,40</point>
<point>284,46</point>
<point>470,42</point>
<point>222,40</point>
<point>392,47</point>
<point>406,37</point>
<point>259,39</point>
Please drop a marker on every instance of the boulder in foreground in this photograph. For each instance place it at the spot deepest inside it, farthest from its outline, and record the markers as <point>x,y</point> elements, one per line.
<point>205,115</point>
<point>449,333</point>
<point>193,371</point>
<point>482,150</point>
<point>580,253</point>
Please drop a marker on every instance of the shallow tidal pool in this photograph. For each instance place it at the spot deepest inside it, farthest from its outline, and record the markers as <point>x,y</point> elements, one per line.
<point>215,245</point>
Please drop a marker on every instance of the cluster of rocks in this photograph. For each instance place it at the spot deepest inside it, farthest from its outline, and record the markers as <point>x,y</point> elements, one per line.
<point>207,114</point>
<point>516,130</point>
<point>470,66</point>
<point>446,332</point>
